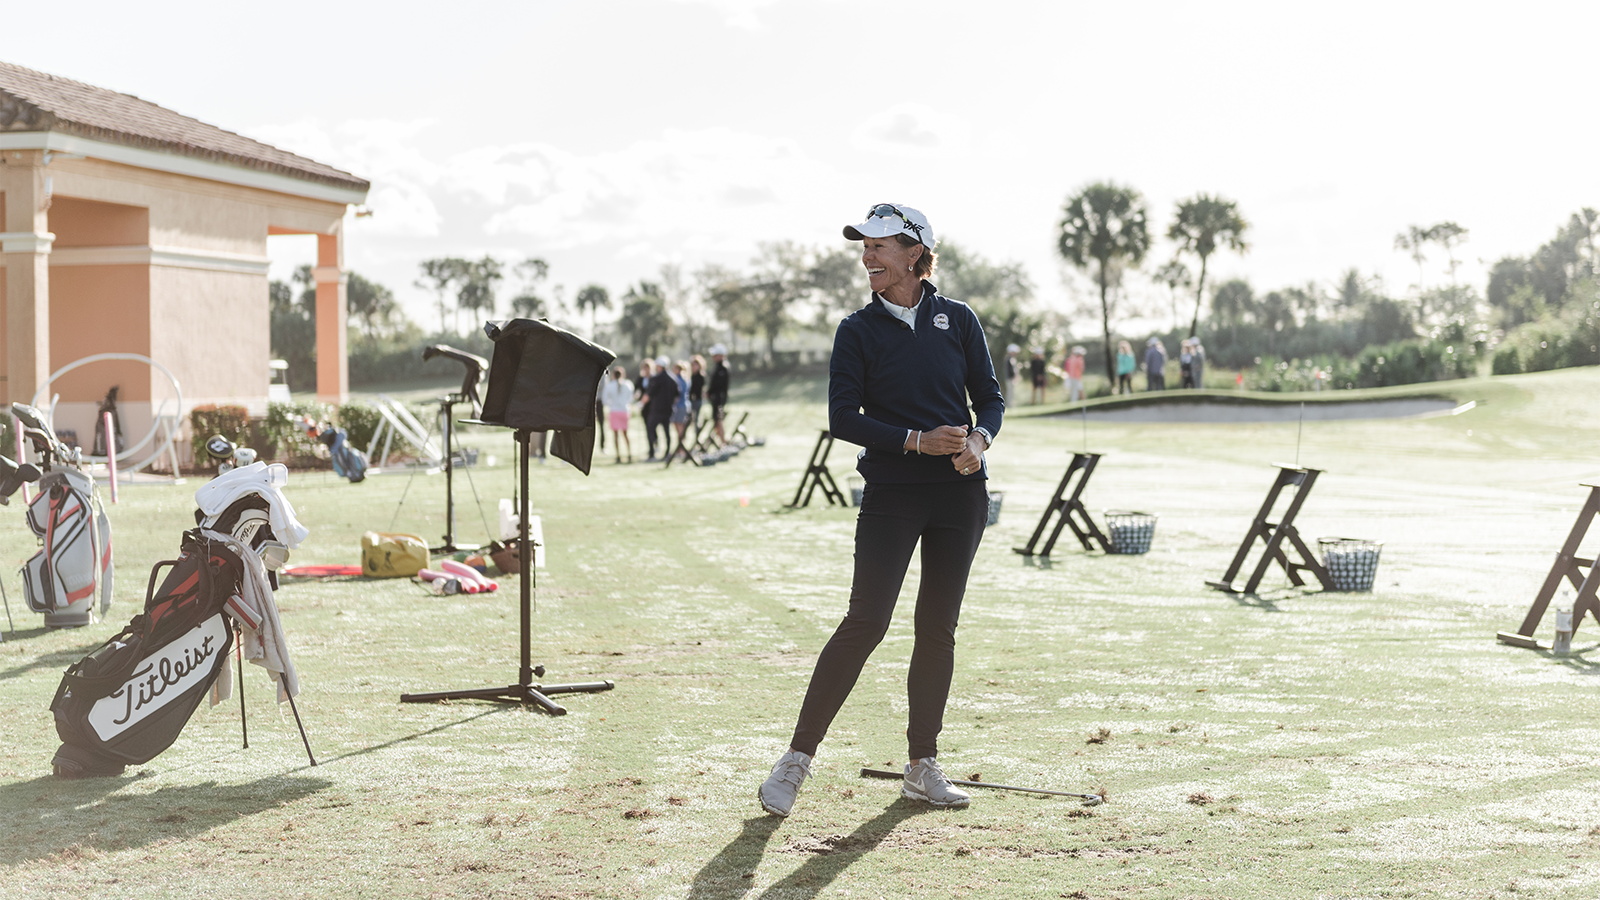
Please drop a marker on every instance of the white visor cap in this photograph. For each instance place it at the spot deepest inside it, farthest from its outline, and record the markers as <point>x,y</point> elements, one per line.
<point>889,224</point>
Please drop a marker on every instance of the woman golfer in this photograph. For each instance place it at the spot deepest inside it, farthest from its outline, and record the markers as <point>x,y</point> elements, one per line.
<point>904,368</point>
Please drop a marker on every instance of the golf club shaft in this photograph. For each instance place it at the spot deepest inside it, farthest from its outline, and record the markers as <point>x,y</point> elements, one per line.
<point>879,773</point>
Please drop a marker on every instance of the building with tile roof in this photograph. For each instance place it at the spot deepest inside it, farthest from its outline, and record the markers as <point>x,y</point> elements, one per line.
<point>126,227</point>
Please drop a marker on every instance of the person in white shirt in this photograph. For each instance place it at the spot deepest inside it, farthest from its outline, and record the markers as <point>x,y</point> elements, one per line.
<point>616,394</point>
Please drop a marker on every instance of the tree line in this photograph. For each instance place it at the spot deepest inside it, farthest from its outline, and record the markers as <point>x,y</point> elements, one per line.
<point>1106,232</point>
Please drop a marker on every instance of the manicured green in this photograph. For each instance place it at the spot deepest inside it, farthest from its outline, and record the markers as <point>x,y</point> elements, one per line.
<point>1286,745</point>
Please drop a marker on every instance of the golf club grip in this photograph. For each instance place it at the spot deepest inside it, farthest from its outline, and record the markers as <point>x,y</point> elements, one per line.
<point>879,773</point>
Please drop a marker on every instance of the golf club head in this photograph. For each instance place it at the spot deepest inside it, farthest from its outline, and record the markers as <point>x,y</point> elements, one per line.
<point>30,417</point>
<point>14,476</point>
<point>219,448</point>
<point>38,431</point>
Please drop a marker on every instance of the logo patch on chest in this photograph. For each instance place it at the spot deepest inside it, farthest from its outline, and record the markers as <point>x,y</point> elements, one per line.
<point>941,321</point>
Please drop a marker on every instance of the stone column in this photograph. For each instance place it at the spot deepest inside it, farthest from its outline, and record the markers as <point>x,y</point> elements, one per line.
<point>25,240</point>
<point>333,365</point>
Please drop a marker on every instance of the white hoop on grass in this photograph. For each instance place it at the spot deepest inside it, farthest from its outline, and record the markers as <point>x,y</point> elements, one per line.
<point>155,418</point>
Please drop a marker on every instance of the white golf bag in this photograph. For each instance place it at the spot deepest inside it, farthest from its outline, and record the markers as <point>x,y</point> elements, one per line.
<point>74,563</point>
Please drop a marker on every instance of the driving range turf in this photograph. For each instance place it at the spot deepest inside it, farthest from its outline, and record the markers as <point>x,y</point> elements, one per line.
<point>1288,744</point>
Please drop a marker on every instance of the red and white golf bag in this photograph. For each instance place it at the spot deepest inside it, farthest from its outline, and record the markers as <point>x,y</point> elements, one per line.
<point>74,562</point>
<point>127,701</point>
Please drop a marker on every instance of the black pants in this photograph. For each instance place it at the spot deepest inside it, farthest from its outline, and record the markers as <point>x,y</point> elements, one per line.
<point>948,518</point>
<point>665,424</point>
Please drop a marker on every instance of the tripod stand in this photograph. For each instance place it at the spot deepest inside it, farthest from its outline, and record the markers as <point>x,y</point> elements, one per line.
<point>524,690</point>
<point>446,412</point>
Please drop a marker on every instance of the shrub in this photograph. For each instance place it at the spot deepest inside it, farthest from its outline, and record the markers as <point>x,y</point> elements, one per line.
<point>287,434</point>
<point>232,422</point>
<point>1452,351</point>
<point>1507,362</point>
<point>360,422</point>
<point>1570,339</point>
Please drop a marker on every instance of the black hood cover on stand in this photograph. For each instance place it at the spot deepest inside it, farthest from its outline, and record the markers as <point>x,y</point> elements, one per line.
<point>545,379</point>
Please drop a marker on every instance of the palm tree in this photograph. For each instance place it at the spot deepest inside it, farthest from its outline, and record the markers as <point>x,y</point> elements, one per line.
<point>1448,235</point>
<point>438,275</point>
<point>644,318</point>
<point>477,287</point>
<point>1105,223</point>
<point>593,297</point>
<point>1415,239</point>
<point>1174,274</point>
<point>1202,224</point>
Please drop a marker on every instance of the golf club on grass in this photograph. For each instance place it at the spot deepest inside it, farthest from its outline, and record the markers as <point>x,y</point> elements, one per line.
<point>1088,799</point>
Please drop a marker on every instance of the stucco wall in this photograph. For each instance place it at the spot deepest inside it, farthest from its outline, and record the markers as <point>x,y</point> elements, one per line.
<point>166,265</point>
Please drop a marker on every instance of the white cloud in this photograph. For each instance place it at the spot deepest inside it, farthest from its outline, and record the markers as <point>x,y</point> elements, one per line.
<point>383,152</point>
<point>700,187</point>
<point>740,14</point>
<point>914,128</point>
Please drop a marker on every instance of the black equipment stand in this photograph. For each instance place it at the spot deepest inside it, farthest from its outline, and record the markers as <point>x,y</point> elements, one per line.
<point>1570,566</point>
<point>244,725</point>
<point>1067,506</point>
<point>738,433</point>
<point>690,451</point>
<point>446,405</point>
<point>817,475</point>
<point>525,690</point>
<point>1274,534</point>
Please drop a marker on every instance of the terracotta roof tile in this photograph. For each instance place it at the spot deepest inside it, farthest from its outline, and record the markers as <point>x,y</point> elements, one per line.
<point>35,101</point>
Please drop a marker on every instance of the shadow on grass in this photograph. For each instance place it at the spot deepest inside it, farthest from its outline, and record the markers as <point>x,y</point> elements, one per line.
<point>419,734</point>
<point>59,659</point>
<point>730,874</point>
<point>50,817</point>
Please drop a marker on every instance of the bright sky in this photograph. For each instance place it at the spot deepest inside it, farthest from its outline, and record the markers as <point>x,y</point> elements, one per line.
<point>611,137</point>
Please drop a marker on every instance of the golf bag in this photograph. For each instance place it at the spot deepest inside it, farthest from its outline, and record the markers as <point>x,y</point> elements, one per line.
<point>60,580</point>
<point>348,462</point>
<point>127,701</point>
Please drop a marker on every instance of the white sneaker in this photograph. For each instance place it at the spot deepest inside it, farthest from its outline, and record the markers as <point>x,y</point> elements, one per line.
<point>927,782</point>
<point>777,793</point>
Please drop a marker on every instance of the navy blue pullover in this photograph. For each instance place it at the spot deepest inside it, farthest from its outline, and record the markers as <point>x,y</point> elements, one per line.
<point>886,377</point>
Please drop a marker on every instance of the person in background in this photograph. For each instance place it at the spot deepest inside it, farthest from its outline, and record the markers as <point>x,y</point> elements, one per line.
<point>697,386</point>
<point>1009,383</point>
<point>1126,363</point>
<point>1036,375</point>
<point>680,407</point>
<point>660,398</point>
<point>643,384</point>
<point>616,393</point>
<point>1197,362</point>
<point>1155,365</point>
<point>1185,367</point>
<point>717,390</point>
<point>1074,369</point>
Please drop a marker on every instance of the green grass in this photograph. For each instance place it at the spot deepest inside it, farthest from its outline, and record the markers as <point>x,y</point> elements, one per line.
<point>1289,744</point>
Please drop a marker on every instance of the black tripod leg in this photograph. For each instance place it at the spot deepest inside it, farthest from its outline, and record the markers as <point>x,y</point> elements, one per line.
<point>244,726</point>
<point>8,606</point>
<point>302,726</point>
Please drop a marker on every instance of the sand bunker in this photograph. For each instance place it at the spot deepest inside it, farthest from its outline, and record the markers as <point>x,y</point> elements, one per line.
<point>1202,410</point>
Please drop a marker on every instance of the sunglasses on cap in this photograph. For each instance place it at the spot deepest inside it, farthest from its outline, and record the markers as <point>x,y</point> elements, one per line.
<point>889,210</point>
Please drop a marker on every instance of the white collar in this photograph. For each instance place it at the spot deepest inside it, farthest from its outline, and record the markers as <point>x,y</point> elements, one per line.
<point>908,316</point>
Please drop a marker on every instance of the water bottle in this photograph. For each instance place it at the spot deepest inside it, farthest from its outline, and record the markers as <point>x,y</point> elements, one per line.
<point>508,519</point>
<point>1563,642</point>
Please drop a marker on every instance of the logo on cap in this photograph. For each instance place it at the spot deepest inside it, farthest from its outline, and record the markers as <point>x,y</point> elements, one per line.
<point>941,321</point>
